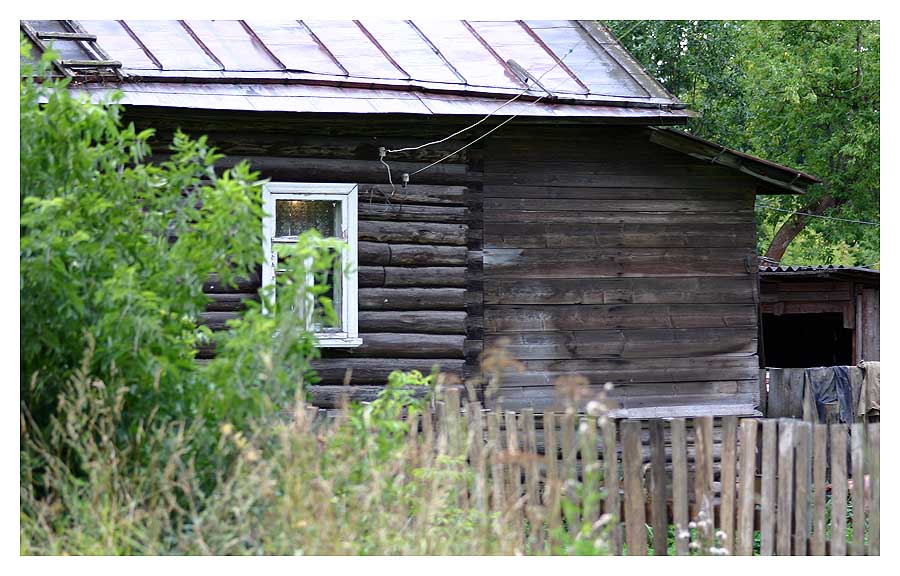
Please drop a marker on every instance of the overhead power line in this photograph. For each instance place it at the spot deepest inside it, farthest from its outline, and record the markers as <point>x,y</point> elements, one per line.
<point>792,212</point>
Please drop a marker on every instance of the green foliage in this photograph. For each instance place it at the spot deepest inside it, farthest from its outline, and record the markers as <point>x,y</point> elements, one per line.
<point>805,94</point>
<point>114,253</point>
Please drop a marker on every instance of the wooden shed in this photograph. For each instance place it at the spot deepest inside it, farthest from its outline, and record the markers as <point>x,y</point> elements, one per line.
<point>819,315</point>
<point>547,209</point>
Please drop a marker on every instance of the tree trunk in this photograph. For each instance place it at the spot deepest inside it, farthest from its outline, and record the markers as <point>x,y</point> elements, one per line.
<point>796,223</point>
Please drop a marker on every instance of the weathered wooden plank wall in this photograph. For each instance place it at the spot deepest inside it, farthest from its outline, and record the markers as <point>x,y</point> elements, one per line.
<point>608,256</point>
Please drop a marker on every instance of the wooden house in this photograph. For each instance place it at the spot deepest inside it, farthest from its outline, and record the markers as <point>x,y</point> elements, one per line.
<point>547,207</point>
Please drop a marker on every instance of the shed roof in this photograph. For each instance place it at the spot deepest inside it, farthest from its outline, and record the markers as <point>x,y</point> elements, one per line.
<point>828,271</point>
<point>465,67</point>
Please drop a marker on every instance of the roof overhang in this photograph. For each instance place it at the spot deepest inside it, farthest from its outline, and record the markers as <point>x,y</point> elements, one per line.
<point>774,178</point>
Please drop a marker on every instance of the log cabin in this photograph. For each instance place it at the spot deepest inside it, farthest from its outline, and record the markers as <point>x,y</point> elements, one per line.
<point>512,183</point>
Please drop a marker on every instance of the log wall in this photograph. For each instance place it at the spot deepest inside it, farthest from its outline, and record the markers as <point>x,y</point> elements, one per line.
<point>610,257</point>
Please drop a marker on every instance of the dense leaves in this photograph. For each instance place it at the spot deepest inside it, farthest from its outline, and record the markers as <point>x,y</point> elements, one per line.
<point>800,93</point>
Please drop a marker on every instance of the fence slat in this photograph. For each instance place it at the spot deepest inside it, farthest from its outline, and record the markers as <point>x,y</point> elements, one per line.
<point>857,448</point>
<point>494,448</point>
<point>589,471</point>
<point>747,507</point>
<point>875,488</point>
<point>728,471</point>
<point>785,487</point>
<point>802,441</point>
<point>703,468</point>
<point>838,489</point>
<point>611,483</point>
<point>476,454</point>
<point>659,518</point>
<point>513,473</point>
<point>551,488</point>
<point>820,465</point>
<point>767,503</point>
<point>570,454</point>
<point>680,484</point>
<point>635,520</point>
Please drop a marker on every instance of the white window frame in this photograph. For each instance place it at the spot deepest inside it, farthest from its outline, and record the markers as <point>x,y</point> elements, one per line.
<point>347,194</point>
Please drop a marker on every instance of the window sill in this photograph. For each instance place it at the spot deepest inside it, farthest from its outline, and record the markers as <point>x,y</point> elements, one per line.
<point>338,341</point>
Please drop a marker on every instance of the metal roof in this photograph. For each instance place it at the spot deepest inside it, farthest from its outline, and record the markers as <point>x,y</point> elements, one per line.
<point>782,178</point>
<point>561,67</point>
<point>822,271</point>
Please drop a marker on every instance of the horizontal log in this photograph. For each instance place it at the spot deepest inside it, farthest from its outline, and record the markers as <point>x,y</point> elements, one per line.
<point>606,316</point>
<point>410,254</point>
<point>428,322</point>
<point>377,370</point>
<point>412,232</point>
<point>646,290</point>
<point>647,217</point>
<point>803,307</point>
<point>414,194</point>
<point>397,277</point>
<point>230,302</point>
<point>639,343</point>
<point>634,177</point>
<point>766,296</point>
<point>390,345</point>
<point>333,170</point>
<point>412,299</point>
<point>397,212</point>
<point>558,235</point>
<point>214,285</point>
<point>618,205</point>
<point>613,262</point>
<point>331,396</point>
<point>217,320</point>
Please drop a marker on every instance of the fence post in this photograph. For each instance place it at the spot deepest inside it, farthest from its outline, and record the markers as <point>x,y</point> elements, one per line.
<point>785,486</point>
<point>551,487</point>
<point>769,474</point>
<point>857,446</point>
<point>570,453</point>
<point>659,517</point>
<point>590,496</point>
<point>703,468</point>
<point>838,489</point>
<point>820,465</point>
<point>632,462</point>
<point>728,472</point>
<point>875,471</point>
<point>802,432</point>
<point>680,485</point>
<point>611,482</point>
<point>747,507</point>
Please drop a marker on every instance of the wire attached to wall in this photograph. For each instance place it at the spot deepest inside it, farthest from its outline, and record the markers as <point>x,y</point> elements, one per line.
<point>792,212</point>
<point>406,176</point>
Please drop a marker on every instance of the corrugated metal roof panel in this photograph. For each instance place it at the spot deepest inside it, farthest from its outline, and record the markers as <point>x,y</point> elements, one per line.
<point>482,60</point>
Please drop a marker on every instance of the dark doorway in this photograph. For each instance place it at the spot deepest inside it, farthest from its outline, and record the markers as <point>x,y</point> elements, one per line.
<point>806,340</point>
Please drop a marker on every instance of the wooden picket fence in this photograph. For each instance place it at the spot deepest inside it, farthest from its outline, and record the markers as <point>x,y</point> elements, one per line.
<point>773,486</point>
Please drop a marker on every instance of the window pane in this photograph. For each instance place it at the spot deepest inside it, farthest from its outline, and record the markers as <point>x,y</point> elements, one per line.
<point>293,217</point>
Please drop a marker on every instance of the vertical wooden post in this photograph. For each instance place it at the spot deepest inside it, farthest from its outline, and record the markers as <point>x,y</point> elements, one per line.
<point>476,454</point>
<point>728,473</point>
<point>589,470</point>
<point>551,487</point>
<point>747,507</point>
<point>703,467</point>
<point>802,441</point>
<point>632,462</point>
<point>785,486</point>
<point>777,394</point>
<point>532,480</point>
<point>763,392</point>
<point>769,474</point>
<point>611,483</point>
<point>680,485</point>
<point>857,447</point>
<point>838,489</point>
<point>875,488</point>
<point>494,449</point>
<point>513,472</point>
<point>659,517</point>
<point>570,452</point>
<point>820,441</point>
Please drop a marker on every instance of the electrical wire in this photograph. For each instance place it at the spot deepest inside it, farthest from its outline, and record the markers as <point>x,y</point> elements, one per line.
<point>792,212</point>
<point>501,107</point>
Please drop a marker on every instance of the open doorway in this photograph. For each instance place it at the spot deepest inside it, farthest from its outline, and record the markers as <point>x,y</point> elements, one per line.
<point>806,340</point>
